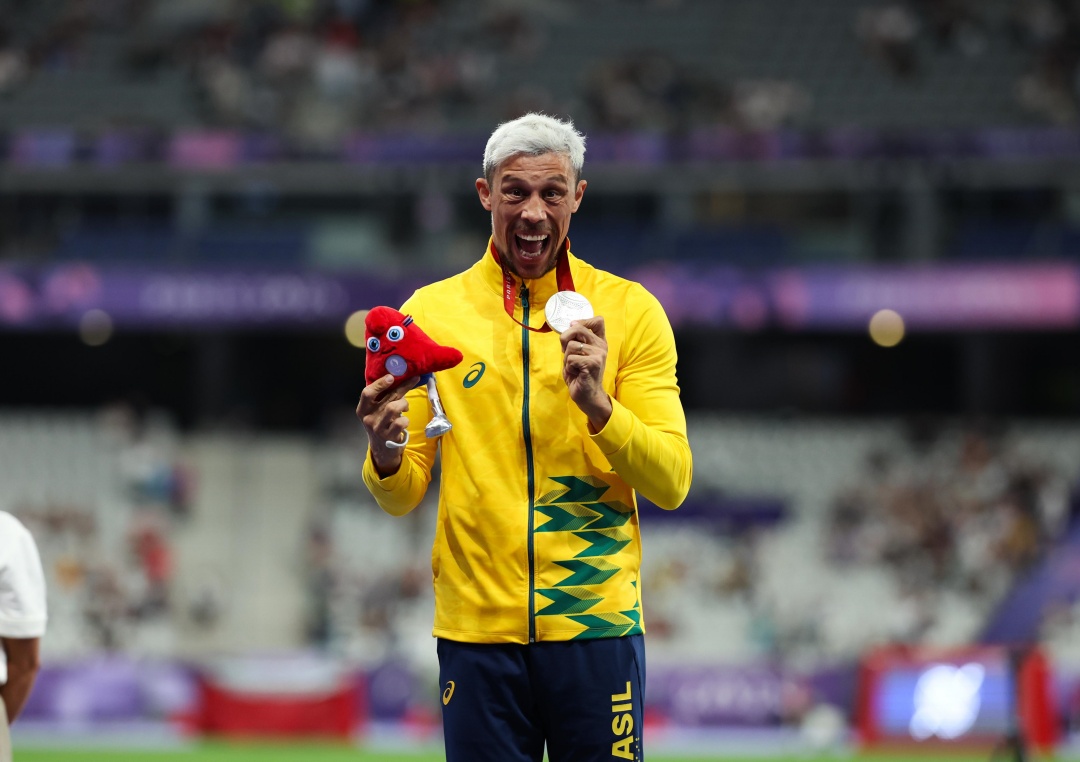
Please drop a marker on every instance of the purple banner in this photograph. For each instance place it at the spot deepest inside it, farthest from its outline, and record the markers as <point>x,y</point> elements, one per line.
<point>746,696</point>
<point>43,148</point>
<point>225,299</point>
<point>976,296</point>
<point>927,298</point>
<point>722,513</point>
<point>724,696</point>
<point>205,150</point>
<point>720,296</point>
<point>214,298</point>
<point>218,149</point>
<point>111,688</point>
<point>115,688</point>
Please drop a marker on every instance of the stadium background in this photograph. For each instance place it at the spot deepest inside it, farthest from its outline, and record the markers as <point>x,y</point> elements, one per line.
<point>196,195</point>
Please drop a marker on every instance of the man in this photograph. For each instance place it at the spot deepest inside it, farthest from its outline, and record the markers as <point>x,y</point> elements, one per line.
<point>22,621</point>
<point>537,548</point>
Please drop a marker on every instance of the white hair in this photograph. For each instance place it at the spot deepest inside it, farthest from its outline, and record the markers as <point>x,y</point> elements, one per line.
<point>534,135</point>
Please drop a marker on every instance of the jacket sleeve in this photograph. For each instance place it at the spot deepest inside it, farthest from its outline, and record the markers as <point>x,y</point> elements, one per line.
<point>400,492</point>
<point>645,438</point>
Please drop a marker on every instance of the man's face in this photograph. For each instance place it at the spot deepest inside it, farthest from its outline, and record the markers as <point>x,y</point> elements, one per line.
<point>531,199</point>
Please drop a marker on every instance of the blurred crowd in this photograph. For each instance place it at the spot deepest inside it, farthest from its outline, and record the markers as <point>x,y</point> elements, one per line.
<point>109,563</point>
<point>921,549</point>
<point>650,90</point>
<point>902,35</point>
<point>1050,31</point>
<point>959,511</point>
<point>319,69</point>
<point>310,68</point>
<point>368,575</point>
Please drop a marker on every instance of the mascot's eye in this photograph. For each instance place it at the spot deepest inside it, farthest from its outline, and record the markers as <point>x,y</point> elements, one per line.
<point>395,332</point>
<point>373,344</point>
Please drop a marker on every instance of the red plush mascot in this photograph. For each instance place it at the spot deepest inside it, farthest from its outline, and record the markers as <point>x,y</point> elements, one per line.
<point>396,345</point>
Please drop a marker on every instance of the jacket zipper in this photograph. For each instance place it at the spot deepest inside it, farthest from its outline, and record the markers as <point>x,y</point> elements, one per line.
<point>528,457</point>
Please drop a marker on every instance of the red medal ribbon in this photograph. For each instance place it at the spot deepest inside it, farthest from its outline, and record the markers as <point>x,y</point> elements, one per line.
<point>563,279</point>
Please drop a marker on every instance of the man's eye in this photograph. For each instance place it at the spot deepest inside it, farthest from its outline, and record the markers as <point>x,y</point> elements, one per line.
<point>395,333</point>
<point>373,344</point>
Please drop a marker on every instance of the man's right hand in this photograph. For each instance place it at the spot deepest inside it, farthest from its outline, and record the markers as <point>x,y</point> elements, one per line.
<point>382,411</point>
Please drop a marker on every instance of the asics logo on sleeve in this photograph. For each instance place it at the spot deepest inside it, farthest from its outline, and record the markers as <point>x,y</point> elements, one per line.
<point>448,693</point>
<point>473,377</point>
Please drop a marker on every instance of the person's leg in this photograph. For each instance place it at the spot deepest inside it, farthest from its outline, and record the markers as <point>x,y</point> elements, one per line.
<point>5,735</point>
<point>488,710</point>
<point>591,694</point>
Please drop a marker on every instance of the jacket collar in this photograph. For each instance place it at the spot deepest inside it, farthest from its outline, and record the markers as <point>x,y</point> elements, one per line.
<point>540,289</point>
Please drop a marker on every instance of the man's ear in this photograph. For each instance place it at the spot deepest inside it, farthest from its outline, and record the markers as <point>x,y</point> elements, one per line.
<point>484,191</point>
<point>579,192</point>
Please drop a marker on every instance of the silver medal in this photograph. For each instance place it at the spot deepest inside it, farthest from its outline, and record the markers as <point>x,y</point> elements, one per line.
<point>565,307</point>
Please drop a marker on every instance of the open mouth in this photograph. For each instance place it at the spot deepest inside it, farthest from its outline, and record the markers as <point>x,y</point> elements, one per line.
<point>531,244</point>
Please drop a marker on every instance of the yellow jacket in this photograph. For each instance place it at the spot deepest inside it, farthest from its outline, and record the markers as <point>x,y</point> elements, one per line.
<point>538,536</point>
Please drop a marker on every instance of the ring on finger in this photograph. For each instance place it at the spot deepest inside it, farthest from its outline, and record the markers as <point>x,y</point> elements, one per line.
<point>398,445</point>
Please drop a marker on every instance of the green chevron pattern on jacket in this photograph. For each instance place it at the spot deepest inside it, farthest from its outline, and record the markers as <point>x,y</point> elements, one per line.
<point>608,625</point>
<point>577,489</point>
<point>566,518</point>
<point>576,508</point>
<point>587,572</point>
<point>602,542</point>
<point>568,601</point>
<point>576,505</point>
<point>610,515</point>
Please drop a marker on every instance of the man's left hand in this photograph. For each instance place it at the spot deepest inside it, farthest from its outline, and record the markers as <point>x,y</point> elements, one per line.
<point>584,358</point>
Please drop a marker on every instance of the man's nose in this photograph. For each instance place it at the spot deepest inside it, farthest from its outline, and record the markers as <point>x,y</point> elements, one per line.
<point>534,209</point>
